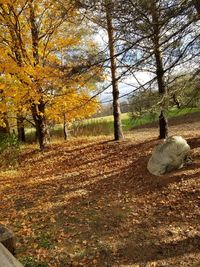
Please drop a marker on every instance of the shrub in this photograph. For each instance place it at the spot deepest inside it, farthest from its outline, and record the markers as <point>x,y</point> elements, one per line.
<point>9,151</point>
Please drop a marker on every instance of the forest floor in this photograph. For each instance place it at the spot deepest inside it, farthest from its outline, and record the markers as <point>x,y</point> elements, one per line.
<point>92,202</point>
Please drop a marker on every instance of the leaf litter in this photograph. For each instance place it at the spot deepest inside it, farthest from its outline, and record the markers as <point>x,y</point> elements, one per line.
<point>91,202</point>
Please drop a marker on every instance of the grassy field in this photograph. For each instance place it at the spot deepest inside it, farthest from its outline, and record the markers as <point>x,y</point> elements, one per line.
<point>104,125</point>
<point>96,126</point>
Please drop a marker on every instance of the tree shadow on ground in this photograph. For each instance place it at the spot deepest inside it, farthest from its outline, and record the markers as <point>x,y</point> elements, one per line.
<point>103,194</point>
<point>194,142</point>
<point>143,253</point>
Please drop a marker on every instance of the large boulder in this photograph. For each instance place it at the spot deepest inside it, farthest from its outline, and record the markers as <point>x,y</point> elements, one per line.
<point>169,155</point>
<point>7,259</point>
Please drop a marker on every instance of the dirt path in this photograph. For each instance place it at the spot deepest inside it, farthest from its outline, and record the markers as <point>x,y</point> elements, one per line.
<point>93,203</point>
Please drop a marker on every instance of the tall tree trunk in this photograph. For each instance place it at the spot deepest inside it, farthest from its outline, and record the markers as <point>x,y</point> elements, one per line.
<point>38,111</point>
<point>40,123</point>
<point>34,33</point>
<point>65,132</point>
<point>20,129</point>
<point>118,134</point>
<point>163,125</point>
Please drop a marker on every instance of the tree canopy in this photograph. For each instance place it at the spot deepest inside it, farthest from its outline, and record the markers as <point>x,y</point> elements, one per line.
<point>46,61</point>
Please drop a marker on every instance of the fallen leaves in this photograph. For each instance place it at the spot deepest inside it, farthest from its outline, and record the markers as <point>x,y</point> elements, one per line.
<point>83,204</point>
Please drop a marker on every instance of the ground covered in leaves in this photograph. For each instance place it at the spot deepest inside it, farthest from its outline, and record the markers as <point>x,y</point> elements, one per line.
<point>91,202</point>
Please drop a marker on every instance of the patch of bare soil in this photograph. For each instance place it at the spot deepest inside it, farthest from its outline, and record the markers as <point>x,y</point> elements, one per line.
<point>92,202</point>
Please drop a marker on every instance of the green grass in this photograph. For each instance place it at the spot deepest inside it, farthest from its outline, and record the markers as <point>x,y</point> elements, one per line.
<point>182,112</point>
<point>44,241</point>
<point>104,125</point>
<point>32,262</point>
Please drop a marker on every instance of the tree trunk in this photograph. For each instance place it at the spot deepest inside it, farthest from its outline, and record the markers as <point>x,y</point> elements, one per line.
<point>20,129</point>
<point>118,134</point>
<point>38,111</point>
<point>34,33</point>
<point>40,123</point>
<point>65,132</point>
<point>163,126</point>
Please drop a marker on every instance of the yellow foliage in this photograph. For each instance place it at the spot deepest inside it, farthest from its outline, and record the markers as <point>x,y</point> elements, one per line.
<point>5,1</point>
<point>36,64</point>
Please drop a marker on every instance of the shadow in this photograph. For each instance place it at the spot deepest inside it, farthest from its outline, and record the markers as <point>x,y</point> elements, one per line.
<point>99,199</point>
<point>67,179</point>
<point>56,149</point>
<point>138,253</point>
<point>194,142</point>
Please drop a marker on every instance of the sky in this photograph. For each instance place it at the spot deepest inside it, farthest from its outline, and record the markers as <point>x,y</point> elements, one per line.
<point>128,84</point>
<point>126,87</point>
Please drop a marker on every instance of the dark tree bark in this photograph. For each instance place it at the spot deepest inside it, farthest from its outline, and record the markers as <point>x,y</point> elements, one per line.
<point>65,132</point>
<point>40,123</point>
<point>158,58</point>
<point>163,126</point>
<point>20,129</point>
<point>38,110</point>
<point>34,34</point>
<point>118,134</point>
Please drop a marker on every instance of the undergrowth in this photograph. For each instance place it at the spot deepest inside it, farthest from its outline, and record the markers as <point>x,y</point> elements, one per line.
<point>9,151</point>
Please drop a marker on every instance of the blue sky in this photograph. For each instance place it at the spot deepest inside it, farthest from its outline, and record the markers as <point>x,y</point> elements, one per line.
<point>127,85</point>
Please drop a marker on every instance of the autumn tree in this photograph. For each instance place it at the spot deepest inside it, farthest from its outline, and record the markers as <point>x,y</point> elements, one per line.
<point>34,34</point>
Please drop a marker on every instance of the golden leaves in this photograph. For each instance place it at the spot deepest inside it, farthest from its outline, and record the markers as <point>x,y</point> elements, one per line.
<point>55,44</point>
<point>5,1</point>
